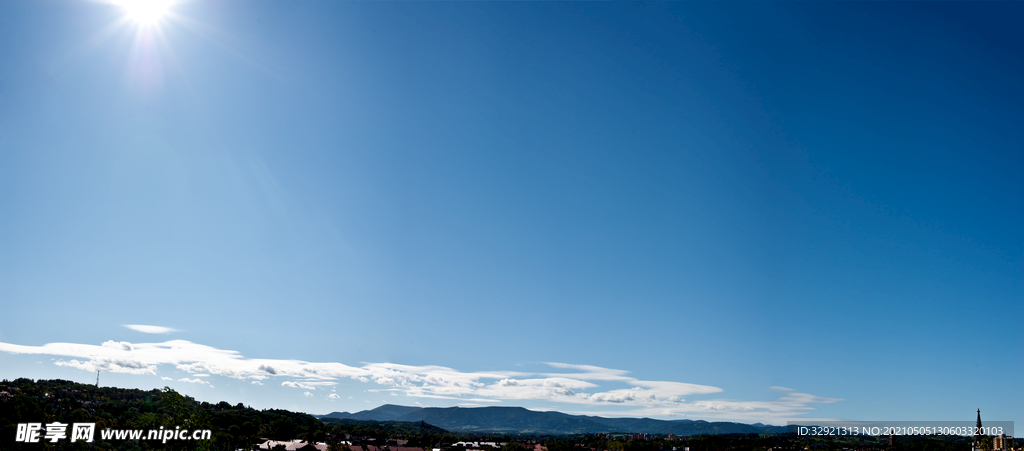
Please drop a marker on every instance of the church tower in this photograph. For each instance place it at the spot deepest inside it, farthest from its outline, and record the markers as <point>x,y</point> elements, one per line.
<point>977,433</point>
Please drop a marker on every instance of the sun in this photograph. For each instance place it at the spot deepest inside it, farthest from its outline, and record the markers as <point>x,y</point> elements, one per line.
<point>145,12</point>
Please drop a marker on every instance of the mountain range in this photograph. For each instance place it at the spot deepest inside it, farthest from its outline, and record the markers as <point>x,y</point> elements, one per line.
<point>518,420</point>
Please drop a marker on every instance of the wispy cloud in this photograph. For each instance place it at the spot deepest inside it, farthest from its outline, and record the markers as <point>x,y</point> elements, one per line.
<point>196,381</point>
<point>306,385</point>
<point>150,329</point>
<point>585,385</point>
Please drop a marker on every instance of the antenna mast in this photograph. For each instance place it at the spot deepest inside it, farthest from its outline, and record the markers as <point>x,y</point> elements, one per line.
<point>97,378</point>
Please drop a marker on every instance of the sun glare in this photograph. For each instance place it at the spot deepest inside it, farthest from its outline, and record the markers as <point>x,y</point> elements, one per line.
<point>145,12</point>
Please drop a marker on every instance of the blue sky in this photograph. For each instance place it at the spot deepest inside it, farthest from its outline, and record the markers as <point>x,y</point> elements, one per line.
<point>724,211</point>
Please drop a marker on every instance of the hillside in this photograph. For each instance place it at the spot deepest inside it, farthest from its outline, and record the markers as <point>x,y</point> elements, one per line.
<point>524,421</point>
<point>232,426</point>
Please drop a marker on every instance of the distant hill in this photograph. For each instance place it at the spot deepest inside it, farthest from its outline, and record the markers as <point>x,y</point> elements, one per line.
<point>387,412</point>
<point>385,428</point>
<point>524,421</point>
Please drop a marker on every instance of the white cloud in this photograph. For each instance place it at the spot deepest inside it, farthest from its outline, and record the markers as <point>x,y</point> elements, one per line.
<point>143,358</point>
<point>675,388</point>
<point>307,394</point>
<point>791,405</point>
<point>195,367</point>
<point>297,385</point>
<point>590,372</point>
<point>333,396</point>
<point>196,381</point>
<point>165,378</point>
<point>584,385</point>
<point>306,384</point>
<point>635,394</point>
<point>122,345</point>
<point>150,329</point>
<point>113,365</point>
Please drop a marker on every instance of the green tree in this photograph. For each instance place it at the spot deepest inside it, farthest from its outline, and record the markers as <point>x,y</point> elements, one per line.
<point>986,443</point>
<point>337,446</point>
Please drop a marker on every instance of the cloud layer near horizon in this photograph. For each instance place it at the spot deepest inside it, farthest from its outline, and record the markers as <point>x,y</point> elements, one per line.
<point>576,384</point>
<point>150,329</point>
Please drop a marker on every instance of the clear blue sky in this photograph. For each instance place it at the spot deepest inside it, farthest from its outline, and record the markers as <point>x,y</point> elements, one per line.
<point>727,211</point>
